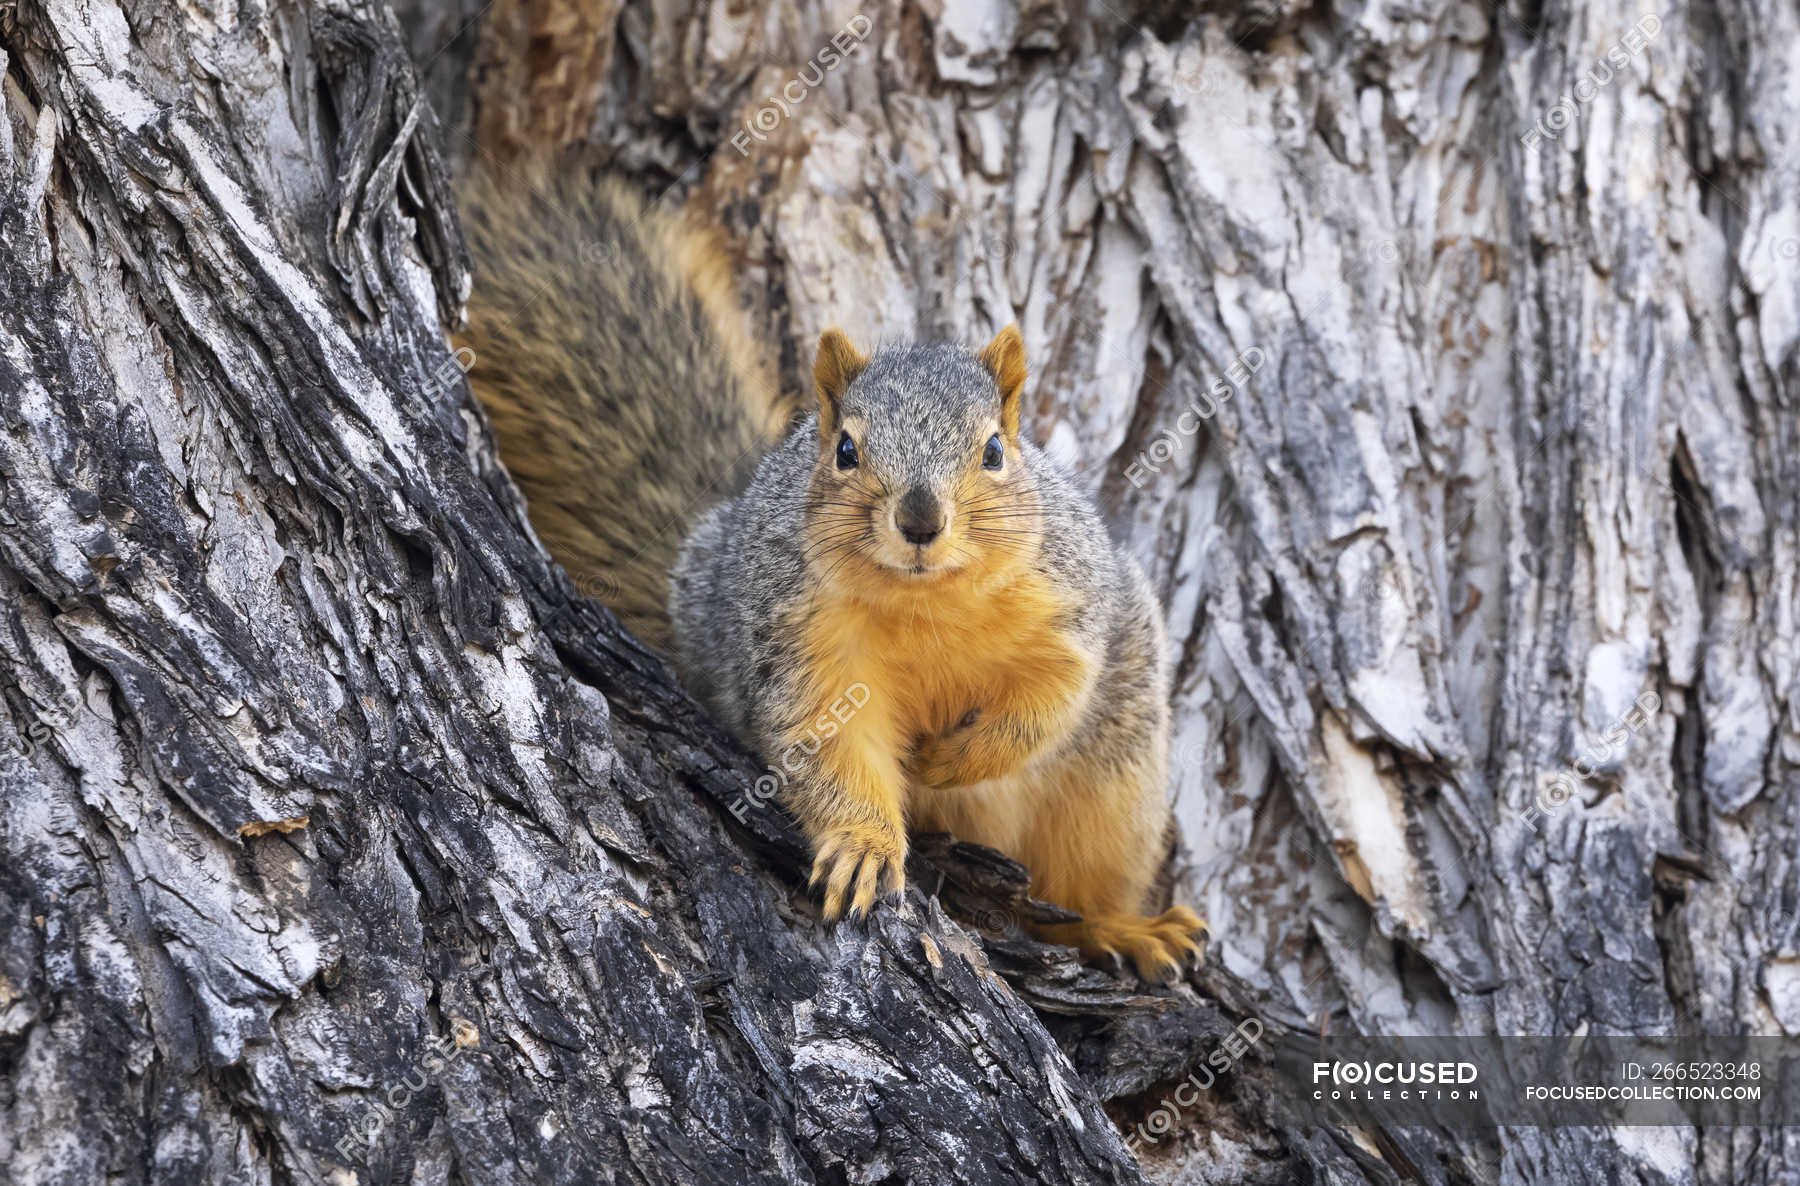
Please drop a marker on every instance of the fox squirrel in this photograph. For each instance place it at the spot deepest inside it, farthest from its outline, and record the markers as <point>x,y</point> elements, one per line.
<point>905,538</point>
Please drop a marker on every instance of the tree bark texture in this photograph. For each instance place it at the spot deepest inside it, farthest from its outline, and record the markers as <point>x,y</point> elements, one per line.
<point>340,839</point>
<point>1480,566</point>
<point>1483,577</point>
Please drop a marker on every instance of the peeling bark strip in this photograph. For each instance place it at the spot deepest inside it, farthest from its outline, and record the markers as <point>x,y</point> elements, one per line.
<point>315,774</point>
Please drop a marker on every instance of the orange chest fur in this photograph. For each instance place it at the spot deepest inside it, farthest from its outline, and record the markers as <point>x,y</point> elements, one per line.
<point>931,657</point>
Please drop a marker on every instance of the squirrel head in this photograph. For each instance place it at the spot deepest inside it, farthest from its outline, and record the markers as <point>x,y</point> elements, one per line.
<point>920,472</point>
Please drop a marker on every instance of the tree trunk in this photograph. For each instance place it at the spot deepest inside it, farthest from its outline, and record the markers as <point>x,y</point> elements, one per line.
<point>343,842</point>
<point>1440,361</point>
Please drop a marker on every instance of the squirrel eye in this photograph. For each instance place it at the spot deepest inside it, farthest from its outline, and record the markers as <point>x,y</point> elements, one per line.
<point>993,455</point>
<point>846,452</point>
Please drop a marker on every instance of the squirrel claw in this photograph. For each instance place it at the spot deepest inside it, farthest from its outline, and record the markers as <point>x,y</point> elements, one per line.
<point>859,866</point>
<point>1173,945</point>
<point>1161,948</point>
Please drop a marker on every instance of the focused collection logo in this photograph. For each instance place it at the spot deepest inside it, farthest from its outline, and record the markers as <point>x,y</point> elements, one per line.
<point>1352,1079</point>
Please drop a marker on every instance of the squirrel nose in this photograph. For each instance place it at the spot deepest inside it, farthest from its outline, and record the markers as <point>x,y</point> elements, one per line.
<point>920,517</point>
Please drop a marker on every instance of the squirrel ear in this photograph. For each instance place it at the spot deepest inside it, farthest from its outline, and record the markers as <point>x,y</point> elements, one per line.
<point>1004,357</point>
<point>836,366</point>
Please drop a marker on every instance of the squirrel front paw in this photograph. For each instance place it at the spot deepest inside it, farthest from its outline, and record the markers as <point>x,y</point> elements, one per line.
<point>942,760</point>
<point>869,856</point>
<point>935,762</point>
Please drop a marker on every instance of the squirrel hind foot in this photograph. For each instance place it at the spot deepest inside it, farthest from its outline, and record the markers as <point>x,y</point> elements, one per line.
<point>1159,947</point>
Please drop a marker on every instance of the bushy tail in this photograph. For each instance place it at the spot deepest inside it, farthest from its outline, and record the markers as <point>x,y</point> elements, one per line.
<point>625,391</point>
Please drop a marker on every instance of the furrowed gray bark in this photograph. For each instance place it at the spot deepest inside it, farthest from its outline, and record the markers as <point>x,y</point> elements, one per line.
<point>339,840</point>
<point>1483,577</point>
